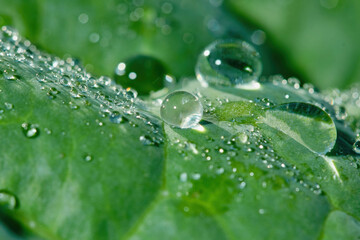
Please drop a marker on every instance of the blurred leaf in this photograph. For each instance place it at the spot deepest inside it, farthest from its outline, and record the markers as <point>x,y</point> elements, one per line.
<point>339,225</point>
<point>103,33</point>
<point>87,159</point>
<point>319,38</point>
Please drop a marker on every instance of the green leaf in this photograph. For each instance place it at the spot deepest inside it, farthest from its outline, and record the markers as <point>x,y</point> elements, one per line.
<point>339,225</point>
<point>87,159</point>
<point>318,38</point>
<point>82,176</point>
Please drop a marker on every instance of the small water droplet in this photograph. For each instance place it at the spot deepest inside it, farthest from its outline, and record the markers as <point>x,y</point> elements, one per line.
<point>8,106</point>
<point>10,74</point>
<point>356,146</point>
<point>147,141</point>
<point>116,117</point>
<point>181,109</point>
<point>88,158</point>
<point>196,176</point>
<point>30,130</point>
<point>240,138</point>
<point>242,185</point>
<point>41,77</point>
<point>183,177</point>
<point>228,63</point>
<point>220,171</point>
<point>258,37</point>
<point>83,18</point>
<point>8,200</point>
<point>306,123</point>
<point>94,37</point>
<point>261,211</point>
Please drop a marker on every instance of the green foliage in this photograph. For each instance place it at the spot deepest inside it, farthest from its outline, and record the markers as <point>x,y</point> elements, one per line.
<point>77,171</point>
<point>83,158</point>
<point>318,38</point>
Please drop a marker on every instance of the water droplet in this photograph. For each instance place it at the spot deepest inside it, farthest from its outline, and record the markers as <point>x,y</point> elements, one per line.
<point>196,176</point>
<point>305,123</point>
<point>240,138</point>
<point>220,171</point>
<point>183,177</point>
<point>52,93</point>
<point>147,141</point>
<point>143,73</point>
<point>8,200</point>
<point>329,4</point>
<point>116,117</point>
<point>258,37</point>
<point>30,130</point>
<point>8,106</point>
<point>10,74</point>
<point>356,146</point>
<point>181,109</point>
<point>167,8</point>
<point>41,77</point>
<point>88,158</point>
<point>94,37</point>
<point>228,63</point>
<point>83,18</point>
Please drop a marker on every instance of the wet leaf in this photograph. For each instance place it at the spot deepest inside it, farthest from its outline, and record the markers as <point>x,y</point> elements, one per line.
<point>318,38</point>
<point>83,158</point>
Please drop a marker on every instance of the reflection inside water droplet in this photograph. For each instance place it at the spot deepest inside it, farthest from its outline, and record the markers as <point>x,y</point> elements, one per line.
<point>306,123</point>
<point>181,109</point>
<point>8,200</point>
<point>228,63</point>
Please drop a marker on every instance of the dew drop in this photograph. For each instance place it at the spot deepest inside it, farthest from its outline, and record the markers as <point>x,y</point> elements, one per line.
<point>240,138</point>
<point>116,117</point>
<point>261,211</point>
<point>143,73</point>
<point>181,109</point>
<point>88,158</point>
<point>30,130</point>
<point>196,176</point>
<point>183,177</point>
<point>228,63</point>
<point>10,74</point>
<point>8,106</point>
<point>8,200</point>
<point>307,124</point>
<point>356,146</point>
<point>147,140</point>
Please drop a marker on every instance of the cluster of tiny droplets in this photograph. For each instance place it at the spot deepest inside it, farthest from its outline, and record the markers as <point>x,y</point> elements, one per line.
<point>220,157</point>
<point>67,75</point>
<point>122,105</point>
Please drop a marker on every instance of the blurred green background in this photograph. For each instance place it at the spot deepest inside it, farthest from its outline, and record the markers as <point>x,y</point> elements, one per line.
<point>314,40</point>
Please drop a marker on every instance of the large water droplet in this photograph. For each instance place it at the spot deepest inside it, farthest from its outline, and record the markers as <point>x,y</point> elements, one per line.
<point>8,200</point>
<point>143,73</point>
<point>305,123</point>
<point>181,109</point>
<point>228,63</point>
